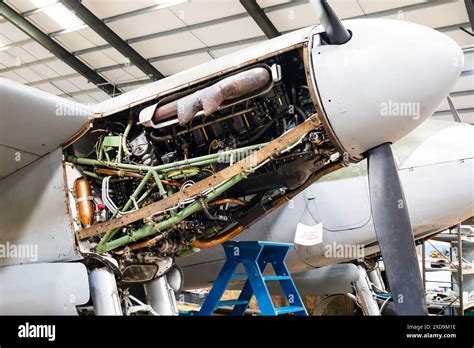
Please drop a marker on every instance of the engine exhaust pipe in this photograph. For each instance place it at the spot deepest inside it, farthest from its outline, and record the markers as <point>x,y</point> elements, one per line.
<point>209,99</point>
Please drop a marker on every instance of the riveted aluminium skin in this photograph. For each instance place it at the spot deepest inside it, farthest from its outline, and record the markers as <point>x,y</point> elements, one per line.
<point>85,206</point>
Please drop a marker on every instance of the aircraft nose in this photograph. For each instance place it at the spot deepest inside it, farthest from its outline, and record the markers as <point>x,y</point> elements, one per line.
<point>386,80</point>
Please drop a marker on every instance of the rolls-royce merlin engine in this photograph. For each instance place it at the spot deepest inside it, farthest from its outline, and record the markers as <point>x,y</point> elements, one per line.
<point>197,166</point>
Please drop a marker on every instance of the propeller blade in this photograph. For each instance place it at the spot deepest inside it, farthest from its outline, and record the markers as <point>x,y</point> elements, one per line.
<point>394,233</point>
<point>336,33</point>
<point>453,110</point>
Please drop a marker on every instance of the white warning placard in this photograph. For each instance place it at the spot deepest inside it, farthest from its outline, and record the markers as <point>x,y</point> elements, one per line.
<point>309,235</point>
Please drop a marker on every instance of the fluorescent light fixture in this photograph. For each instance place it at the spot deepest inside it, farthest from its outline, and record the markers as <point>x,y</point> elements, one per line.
<point>59,13</point>
<point>43,3</point>
<point>169,3</point>
<point>4,46</point>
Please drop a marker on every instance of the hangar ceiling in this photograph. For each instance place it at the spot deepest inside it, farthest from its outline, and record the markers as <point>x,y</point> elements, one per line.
<point>130,43</point>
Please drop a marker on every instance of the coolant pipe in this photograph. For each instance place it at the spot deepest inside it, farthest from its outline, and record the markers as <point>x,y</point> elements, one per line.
<point>201,244</point>
<point>124,138</point>
<point>125,175</point>
<point>191,161</point>
<point>161,188</point>
<point>137,191</point>
<point>100,178</point>
<point>151,229</point>
<point>146,194</point>
<point>92,175</point>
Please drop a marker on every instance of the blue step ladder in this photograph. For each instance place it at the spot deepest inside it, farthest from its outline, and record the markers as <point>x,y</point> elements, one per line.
<point>255,256</point>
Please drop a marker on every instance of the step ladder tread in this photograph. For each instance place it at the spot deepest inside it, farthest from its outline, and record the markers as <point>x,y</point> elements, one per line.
<point>240,276</point>
<point>231,303</point>
<point>275,244</point>
<point>289,309</point>
<point>270,278</point>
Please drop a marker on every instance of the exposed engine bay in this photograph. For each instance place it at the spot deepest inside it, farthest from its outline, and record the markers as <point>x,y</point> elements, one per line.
<point>196,167</point>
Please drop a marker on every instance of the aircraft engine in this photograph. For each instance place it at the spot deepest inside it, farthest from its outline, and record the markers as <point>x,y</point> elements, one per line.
<point>195,167</point>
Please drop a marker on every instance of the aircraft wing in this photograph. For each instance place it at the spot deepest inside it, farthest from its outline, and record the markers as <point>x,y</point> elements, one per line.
<point>33,123</point>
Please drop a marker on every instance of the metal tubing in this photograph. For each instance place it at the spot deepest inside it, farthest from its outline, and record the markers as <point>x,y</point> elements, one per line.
<point>376,278</point>
<point>137,191</point>
<point>104,292</point>
<point>460,271</point>
<point>423,264</point>
<point>123,175</point>
<point>369,305</point>
<point>92,175</point>
<point>191,161</point>
<point>201,244</point>
<point>124,138</point>
<point>161,188</point>
<point>160,296</point>
<point>149,230</point>
<point>146,194</point>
